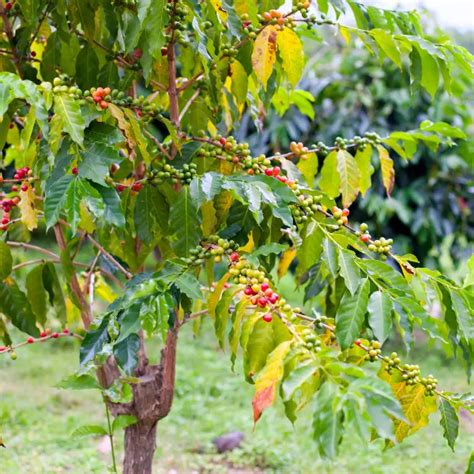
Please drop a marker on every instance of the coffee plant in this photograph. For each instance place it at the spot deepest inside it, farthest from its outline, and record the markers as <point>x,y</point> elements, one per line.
<point>117,123</point>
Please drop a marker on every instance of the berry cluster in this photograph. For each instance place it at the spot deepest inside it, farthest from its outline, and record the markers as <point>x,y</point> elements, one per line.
<point>177,11</point>
<point>341,215</point>
<point>228,149</point>
<point>410,373</point>
<point>103,96</point>
<point>167,172</point>
<point>260,294</point>
<point>306,207</point>
<point>22,173</point>
<point>382,246</point>
<point>430,384</point>
<point>320,321</point>
<point>311,341</point>
<point>392,361</point>
<point>215,247</point>
<point>298,149</point>
<point>373,351</point>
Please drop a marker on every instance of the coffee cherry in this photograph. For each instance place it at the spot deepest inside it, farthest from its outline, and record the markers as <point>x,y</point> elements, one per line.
<point>13,355</point>
<point>43,334</point>
<point>55,335</point>
<point>267,317</point>
<point>136,187</point>
<point>30,340</point>
<point>24,187</point>
<point>234,257</point>
<point>365,238</point>
<point>75,171</point>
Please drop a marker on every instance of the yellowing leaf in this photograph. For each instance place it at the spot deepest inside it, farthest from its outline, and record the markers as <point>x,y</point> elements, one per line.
<point>268,379</point>
<point>239,82</point>
<point>388,172</point>
<point>291,52</point>
<point>285,261</point>
<point>27,209</point>
<point>416,406</point>
<point>217,4</point>
<point>264,53</point>
<point>308,165</point>
<point>365,168</point>
<point>350,177</point>
<point>118,115</point>
<point>216,294</point>
<point>345,33</point>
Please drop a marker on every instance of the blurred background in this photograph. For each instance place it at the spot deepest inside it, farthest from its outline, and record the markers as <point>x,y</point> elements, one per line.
<point>347,92</point>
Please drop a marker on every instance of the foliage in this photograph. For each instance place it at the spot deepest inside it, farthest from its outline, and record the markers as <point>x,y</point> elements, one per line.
<point>350,94</point>
<point>194,222</point>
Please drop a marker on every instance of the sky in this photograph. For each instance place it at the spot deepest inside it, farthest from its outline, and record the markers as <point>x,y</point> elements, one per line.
<point>449,13</point>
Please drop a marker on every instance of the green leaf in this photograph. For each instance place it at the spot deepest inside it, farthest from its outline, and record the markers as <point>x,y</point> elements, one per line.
<point>184,223</point>
<point>94,341</point>
<point>122,421</point>
<point>87,68</point>
<point>151,214</point>
<point>387,44</point>
<point>350,315</point>
<point>15,306</point>
<point>78,382</point>
<point>222,315</point>
<point>429,72</point>
<point>330,179</point>
<point>291,52</point>
<point>36,293</point>
<point>126,353</point>
<point>449,421</point>
<point>349,270</point>
<point>55,199</point>
<point>330,256</point>
<point>380,311</point>
<point>349,177</point>
<point>96,160</point>
<point>6,261</point>
<point>464,316</point>
<point>89,430</point>
<point>70,112</point>
<point>311,248</point>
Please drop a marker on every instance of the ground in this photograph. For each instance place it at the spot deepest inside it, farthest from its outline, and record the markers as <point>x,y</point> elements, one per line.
<point>36,422</point>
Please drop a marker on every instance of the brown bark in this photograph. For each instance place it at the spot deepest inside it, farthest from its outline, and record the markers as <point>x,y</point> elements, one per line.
<point>152,400</point>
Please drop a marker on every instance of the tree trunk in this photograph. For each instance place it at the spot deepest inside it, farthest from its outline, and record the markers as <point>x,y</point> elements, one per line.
<point>140,444</point>
<point>152,399</point>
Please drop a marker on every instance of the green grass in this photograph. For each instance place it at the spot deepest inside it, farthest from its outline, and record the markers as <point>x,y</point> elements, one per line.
<point>36,421</point>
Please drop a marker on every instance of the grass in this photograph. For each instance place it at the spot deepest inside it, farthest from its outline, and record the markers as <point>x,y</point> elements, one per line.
<point>36,421</point>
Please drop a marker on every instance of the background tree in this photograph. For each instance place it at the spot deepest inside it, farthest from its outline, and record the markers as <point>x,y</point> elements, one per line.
<point>151,197</point>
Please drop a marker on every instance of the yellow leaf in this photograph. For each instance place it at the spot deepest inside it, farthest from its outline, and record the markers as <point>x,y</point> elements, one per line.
<point>416,406</point>
<point>268,379</point>
<point>215,295</point>
<point>249,246</point>
<point>217,4</point>
<point>118,115</point>
<point>264,54</point>
<point>292,54</point>
<point>27,209</point>
<point>209,219</point>
<point>345,33</point>
<point>388,172</point>
<point>104,291</point>
<point>87,221</point>
<point>285,261</point>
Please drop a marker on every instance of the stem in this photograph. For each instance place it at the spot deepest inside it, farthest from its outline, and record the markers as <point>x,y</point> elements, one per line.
<point>32,247</point>
<point>111,435</point>
<point>7,26</point>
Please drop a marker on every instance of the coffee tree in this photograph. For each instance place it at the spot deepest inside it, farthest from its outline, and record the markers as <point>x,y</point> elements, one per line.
<point>116,136</point>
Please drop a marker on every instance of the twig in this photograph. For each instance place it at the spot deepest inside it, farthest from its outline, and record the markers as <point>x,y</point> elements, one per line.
<point>24,245</point>
<point>55,335</point>
<point>109,257</point>
<point>189,103</point>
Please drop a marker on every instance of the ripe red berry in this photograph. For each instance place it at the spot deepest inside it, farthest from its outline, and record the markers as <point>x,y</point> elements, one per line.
<point>137,187</point>
<point>55,335</point>
<point>264,286</point>
<point>248,291</point>
<point>269,293</point>
<point>75,171</point>
<point>65,331</point>
<point>103,104</point>
<point>14,189</point>
<point>120,188</point>
<point>43,334</point>
<point>345,212</point>
<point>365,238</point>
<point>5,220</point>
<point>262,302</point>
<point>273,299</point>
<point>357,342</point>
<point>276,171</point>
<point>267,317</point>
<point>24,187</point>
<point>269,171</point>
<point>33,54</point>
<point>222,141</point>
<point>8,6</point>
<point>2,348</point>
<point>234,257</point>
<point>30,340</point>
